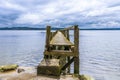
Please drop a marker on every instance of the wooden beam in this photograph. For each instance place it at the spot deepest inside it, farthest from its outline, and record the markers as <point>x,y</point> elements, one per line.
<point>67,33</point>
<point>48,33</point>
<point>68,59</point>
<point>58,53</point>
<point>76,49</point>
<point>67,64</point>
<point>69,28</point>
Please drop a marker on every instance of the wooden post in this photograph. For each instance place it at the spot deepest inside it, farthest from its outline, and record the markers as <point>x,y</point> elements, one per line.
<point>76,49</point>
<point>48,37</point>
<point>51,35</point>
<point>48,32</point>
<point>68,58</point>
<point>67,32</point>
<point>63,31</point>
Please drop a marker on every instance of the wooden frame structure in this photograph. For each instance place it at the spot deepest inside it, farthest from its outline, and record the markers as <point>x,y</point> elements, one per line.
<point>70,51</point>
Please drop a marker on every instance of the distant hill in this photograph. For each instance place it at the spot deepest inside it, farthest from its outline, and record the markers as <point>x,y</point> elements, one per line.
<point>99,28</point>
<point>29,28</point>
<point>26,28</point>
<point>21,28</point>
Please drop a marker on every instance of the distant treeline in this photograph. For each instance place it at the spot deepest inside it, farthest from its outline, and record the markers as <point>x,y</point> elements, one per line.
<point>28,28</point>
<point>100,29</point>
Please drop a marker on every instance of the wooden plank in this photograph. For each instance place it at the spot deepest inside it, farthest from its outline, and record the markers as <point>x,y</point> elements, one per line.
<point>76,50</point>
<point>60,39</point>
<point>65,53</point>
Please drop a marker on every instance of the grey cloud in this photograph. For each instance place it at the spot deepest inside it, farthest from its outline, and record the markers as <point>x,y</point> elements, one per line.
<point>94,13</point>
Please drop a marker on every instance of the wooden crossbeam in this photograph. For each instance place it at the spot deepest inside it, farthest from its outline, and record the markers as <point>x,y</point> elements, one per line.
<point>68,59</point>
<point>69,28</point>
<point>68,64</point>
<point>58,53</point>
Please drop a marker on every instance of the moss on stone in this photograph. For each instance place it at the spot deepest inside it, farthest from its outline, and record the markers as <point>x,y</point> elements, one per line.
<point>85,77</point>
<point>8,67</point>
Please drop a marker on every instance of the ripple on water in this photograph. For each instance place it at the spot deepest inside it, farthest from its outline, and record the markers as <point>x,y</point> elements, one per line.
<point>99,51</point>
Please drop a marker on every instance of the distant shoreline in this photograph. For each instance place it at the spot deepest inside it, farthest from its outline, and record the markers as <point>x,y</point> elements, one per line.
<point>27,28</point>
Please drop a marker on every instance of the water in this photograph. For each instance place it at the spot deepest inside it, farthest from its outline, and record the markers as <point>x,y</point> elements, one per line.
<point>100,54</point>
<point>100,51</point>
<point>21,47</point>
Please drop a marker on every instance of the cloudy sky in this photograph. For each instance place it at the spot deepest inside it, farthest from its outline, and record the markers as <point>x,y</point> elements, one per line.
<point>39,13</point>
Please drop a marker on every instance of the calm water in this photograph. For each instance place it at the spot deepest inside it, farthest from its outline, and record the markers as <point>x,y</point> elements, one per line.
<point>100,51</point>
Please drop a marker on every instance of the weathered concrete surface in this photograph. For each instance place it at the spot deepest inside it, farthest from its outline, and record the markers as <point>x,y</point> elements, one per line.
<point>49,67</point>
<point>31,74</point>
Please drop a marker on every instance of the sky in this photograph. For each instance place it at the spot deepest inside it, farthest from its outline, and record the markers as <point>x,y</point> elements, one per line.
<point>60,13</point>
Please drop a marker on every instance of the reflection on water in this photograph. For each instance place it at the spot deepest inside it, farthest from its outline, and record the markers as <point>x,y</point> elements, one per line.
<point>99,51</point>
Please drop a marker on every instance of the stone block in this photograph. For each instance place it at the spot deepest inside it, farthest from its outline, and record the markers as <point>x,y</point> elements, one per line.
<point>49,67</point>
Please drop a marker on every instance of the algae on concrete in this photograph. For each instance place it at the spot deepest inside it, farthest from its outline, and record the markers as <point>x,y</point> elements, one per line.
<point>8,67</point>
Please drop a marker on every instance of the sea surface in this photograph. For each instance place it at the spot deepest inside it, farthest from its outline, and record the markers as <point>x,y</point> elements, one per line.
<point>99,51</point>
